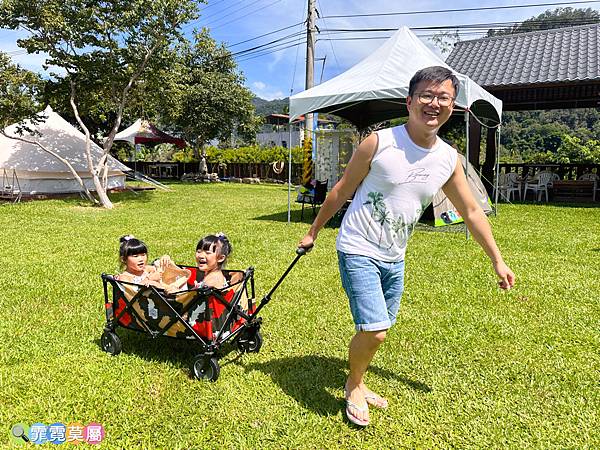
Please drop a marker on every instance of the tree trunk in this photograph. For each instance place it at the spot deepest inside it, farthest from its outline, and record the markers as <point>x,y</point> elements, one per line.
<point>100,190</point>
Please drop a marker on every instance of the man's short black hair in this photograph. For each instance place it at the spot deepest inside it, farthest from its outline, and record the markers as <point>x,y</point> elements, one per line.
<point>436,74</point>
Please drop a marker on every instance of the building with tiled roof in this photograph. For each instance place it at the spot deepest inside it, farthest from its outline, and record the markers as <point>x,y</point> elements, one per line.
<point>549,69</point>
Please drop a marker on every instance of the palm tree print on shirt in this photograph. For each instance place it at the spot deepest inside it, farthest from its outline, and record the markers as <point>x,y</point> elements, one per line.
<point>379,211</point>
<point>401,230</point>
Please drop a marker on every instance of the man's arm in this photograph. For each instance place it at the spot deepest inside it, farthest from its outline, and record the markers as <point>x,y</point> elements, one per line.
<point>355,172</point>
<point>458,192</point>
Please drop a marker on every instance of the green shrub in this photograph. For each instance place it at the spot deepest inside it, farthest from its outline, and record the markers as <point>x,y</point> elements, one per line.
<point>185,155</point>
<point>252,154</point>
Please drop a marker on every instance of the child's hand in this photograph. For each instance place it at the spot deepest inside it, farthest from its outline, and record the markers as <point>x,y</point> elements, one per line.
<point>165,261</point>
<point>170,289</point>
<point>154,276</point>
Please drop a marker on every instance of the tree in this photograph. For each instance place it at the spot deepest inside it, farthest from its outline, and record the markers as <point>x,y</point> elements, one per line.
<point>20,92</point>
<point>203,96</point>
<point>558,18</point>
<point>573,150</point>
<point>445,41</point>
<point>102,48</point>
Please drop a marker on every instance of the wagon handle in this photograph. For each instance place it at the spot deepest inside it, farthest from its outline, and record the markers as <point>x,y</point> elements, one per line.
<point>304,250</point>
<point>300,251</point>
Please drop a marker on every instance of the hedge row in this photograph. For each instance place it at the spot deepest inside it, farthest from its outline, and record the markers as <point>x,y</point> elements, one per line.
<point>251,154</point>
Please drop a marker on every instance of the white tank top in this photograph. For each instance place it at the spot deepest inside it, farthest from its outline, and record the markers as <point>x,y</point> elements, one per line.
<point>387,205</point>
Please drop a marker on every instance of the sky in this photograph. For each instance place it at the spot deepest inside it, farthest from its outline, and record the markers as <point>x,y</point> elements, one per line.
<point>276,72</point>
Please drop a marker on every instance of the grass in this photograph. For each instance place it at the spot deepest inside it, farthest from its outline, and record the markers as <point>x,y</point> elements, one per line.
<point>466,366</point>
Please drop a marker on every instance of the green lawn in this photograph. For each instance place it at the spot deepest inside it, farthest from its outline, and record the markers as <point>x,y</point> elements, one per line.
<point>466,366</point>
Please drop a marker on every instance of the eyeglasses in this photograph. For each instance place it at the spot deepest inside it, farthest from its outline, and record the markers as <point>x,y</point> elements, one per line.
<point>426,98</point>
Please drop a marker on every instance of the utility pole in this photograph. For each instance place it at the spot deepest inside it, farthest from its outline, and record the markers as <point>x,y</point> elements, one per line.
<point>310,61</point>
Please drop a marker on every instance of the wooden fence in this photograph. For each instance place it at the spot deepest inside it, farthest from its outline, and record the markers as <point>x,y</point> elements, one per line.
<point>174,170</point>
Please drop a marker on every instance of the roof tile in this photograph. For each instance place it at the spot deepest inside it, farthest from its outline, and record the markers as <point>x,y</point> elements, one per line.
<point>560,54</point>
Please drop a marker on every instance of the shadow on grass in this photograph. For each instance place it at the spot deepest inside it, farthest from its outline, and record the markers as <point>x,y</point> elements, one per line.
<point>144,196</point>
<point>179,352</point>
<point>78,201</point>
<point>283,217</point>
<point>306,379</point>
<point>295,217</point>
<point>430,228</point>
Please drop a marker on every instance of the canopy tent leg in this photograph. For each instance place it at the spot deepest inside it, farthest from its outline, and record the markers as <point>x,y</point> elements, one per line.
<point>497,178</point>
<point>289,215</point>
<point>467,159</point>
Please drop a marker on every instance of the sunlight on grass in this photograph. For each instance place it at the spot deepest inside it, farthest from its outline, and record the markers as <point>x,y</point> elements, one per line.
<point>466,365</point>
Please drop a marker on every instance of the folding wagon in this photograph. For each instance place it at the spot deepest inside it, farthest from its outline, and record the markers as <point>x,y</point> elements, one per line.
<point>206,316</point>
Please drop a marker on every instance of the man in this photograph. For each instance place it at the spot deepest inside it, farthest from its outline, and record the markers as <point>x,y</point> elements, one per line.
<point>393,176</point>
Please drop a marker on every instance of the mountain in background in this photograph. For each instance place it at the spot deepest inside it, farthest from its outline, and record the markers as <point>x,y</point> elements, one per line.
<point>266,107</point>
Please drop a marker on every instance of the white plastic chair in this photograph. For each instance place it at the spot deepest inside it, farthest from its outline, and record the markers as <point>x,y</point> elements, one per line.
<point>591,177</point>
<point>508,184</point>
<point>539,184</point>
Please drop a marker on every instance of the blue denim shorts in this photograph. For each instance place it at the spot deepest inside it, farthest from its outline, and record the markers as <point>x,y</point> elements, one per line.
<point>374,289</point>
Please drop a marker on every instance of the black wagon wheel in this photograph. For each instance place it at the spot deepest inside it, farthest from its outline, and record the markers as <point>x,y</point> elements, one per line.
<point>204,368</point>
<point>110,342</point>
<point>250,340</point>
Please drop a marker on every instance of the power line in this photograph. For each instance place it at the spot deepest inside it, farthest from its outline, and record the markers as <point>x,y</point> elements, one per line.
<point>488,26</point>
<point>381,38</point>
<point>266,34</point>
<point>483,26</point>
<point>296,58</point>
<point>221,11</point>
<point>463,28</point>
<point>293,39</point>
<point>300,41</point>
<point>245,15</point>
<point>211,4</point>
<point>330,42</point>
<point>197,21</point>
<point>270,44</point>
<point>404,13</point>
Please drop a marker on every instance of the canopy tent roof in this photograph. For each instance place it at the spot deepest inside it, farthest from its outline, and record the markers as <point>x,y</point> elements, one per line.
<point>57,135</point>
<point>143,132</point>
<point>376,88</point>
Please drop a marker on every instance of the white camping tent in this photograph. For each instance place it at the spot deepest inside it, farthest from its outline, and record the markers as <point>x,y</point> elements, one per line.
<point>444,212</point>
<point>39,172</point>
<point>376,88</point>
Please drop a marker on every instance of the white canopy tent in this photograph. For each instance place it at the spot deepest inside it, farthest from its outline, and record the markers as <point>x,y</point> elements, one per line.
<point>39,172</point>
<point>375,89</point>
<point>143,132</point>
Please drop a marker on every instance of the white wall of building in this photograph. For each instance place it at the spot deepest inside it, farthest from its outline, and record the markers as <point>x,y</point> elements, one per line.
<point>279,135</point>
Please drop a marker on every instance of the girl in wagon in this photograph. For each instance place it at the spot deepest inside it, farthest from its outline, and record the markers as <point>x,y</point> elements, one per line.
<point>133,256</point>
<point>212,252</point>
